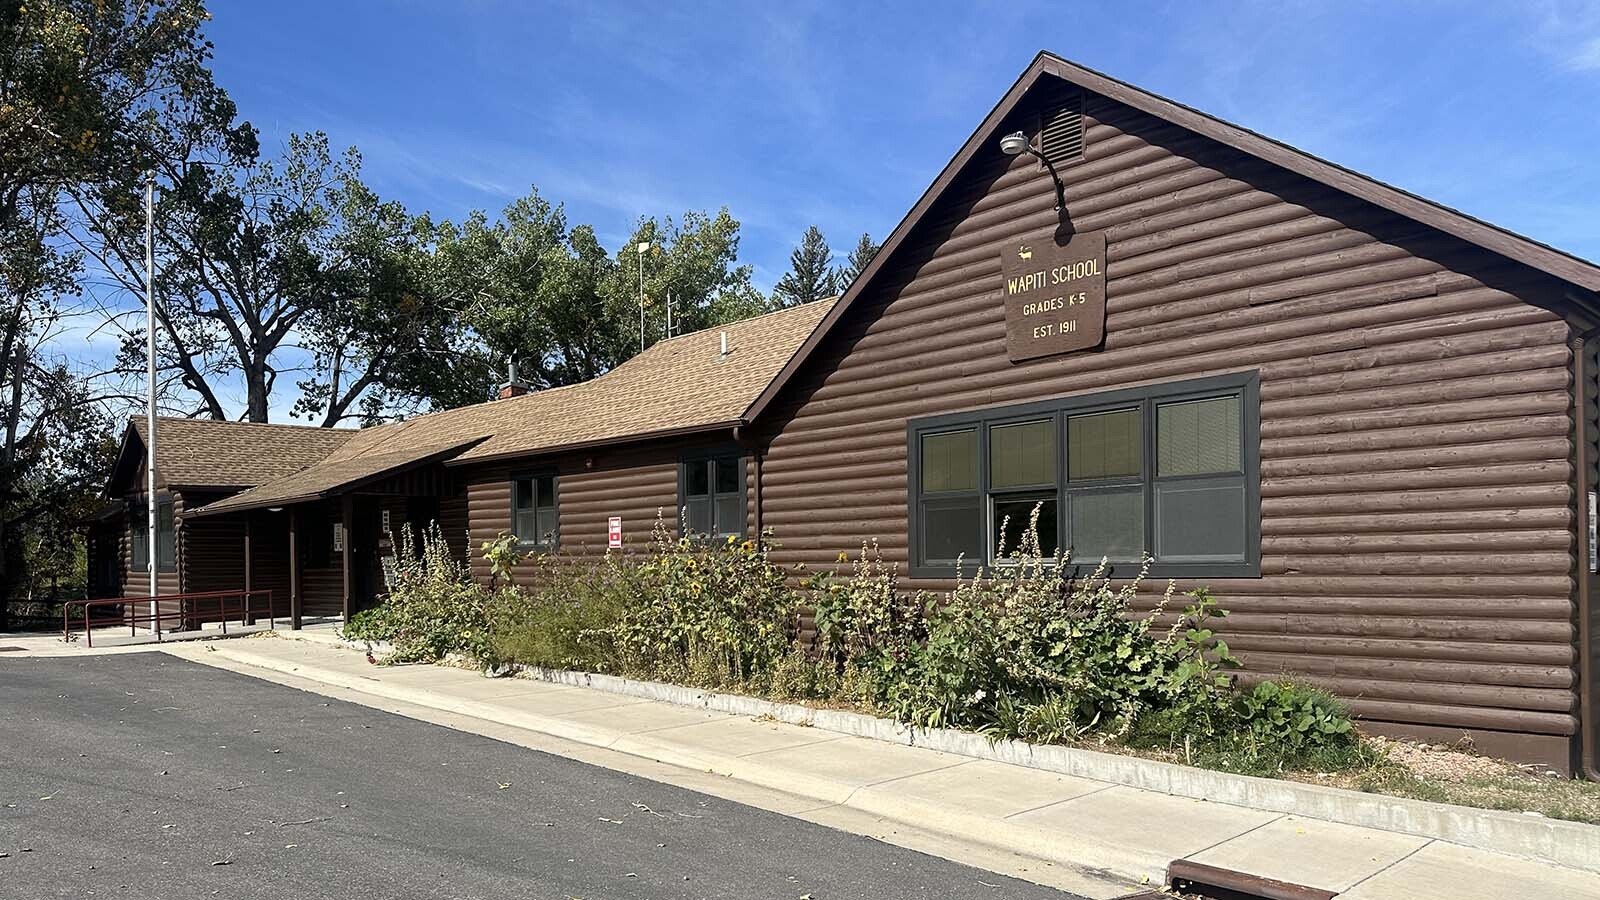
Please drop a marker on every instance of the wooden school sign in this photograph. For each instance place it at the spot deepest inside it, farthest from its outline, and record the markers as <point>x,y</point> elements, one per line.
<point>1055,295</point>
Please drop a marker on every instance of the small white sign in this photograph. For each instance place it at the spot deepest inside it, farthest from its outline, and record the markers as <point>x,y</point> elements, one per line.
<point>386,521</point>
<point>614,532</point>
<point>338,537</point>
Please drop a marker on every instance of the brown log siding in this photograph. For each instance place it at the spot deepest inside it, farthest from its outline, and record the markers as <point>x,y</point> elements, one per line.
<point>638,483</point>
<point>1417,510</point>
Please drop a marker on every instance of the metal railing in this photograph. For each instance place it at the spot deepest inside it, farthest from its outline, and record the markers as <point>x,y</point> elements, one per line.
<point>193,609</point>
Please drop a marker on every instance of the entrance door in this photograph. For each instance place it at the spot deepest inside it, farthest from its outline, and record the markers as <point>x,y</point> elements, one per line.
<point>366,565</point>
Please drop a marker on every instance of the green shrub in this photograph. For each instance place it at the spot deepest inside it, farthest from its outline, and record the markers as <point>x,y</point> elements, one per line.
<point>1021,649</point>
<point>710,613</point>
<point>433,608</point>
<point>571,621</point>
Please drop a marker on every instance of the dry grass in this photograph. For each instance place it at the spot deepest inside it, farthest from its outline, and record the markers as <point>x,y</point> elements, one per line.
<point>1460,776</point>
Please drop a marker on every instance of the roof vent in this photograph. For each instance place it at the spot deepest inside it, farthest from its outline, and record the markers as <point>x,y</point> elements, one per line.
<point>1061,130</point>
<point>724,343</point>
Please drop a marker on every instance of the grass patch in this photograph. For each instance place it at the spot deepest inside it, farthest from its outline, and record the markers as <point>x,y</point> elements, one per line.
<point>1556,798</point>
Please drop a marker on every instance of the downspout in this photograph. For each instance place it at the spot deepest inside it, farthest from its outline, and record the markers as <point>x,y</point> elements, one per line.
<point>1589,753</point>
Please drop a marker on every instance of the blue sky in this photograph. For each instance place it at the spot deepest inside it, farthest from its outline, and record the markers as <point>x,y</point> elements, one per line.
<point>839,114</point>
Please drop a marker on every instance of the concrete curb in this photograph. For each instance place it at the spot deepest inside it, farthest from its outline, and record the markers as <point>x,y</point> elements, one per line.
<point>1570,844</point>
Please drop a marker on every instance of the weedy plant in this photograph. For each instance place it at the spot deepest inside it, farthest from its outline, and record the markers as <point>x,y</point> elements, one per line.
<point>433,607</point>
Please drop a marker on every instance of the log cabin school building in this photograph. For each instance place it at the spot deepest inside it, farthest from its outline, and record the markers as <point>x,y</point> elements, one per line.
<point>1367,422</point>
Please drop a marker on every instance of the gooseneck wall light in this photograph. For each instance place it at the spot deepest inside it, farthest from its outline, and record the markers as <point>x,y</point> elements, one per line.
<point>1017,143</point>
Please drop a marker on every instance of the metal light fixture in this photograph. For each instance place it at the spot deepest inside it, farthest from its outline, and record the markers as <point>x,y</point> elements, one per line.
<point>1016,143</point>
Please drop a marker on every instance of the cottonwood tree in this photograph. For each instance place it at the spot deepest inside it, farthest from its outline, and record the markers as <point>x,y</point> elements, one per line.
<point>90,91</point>
<point>526,287</point>
<point>811,274</point>
<point>375,323</point>
<point>262,264</point>
<point>863,253</point>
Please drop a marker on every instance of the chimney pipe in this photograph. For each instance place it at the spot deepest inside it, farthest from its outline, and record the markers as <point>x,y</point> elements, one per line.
<point>513,386</point>
<point>724,343</point>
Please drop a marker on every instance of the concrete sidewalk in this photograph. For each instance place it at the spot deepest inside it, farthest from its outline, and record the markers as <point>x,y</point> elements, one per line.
<point>1115,836</point>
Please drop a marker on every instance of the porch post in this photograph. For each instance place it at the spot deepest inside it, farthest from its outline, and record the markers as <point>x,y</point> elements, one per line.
<point>249,565</point>
<point>294,568</point>
<point>348,512</point>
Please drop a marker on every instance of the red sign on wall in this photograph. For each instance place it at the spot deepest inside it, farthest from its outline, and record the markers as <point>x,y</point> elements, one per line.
<point>614,532</point>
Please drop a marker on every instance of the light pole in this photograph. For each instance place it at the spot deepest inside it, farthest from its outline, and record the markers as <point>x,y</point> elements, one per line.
<point>152,556</point>
<point>643,248</point>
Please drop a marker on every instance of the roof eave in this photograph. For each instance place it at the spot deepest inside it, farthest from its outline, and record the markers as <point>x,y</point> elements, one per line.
<point>211,509</point>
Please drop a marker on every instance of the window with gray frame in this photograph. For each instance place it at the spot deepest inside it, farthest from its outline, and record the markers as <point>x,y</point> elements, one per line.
<point>139,536</point>
<point>711,496</point>
<point>533,511</point>
<point>1169,470</point>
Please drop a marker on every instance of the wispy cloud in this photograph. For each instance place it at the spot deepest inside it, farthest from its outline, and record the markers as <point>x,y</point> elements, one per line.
<point>1586,57</point>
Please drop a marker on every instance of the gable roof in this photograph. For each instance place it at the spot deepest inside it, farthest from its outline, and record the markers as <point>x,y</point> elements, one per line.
<point>1542,257</point>
<point>680,385</point>
<point>212,453</point>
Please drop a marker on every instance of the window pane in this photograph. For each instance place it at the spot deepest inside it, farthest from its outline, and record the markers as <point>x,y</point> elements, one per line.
<point>697,514</point>
<point>139,545</point>
<point>1011,518</point>
<point>1022,454</point>
<point>950,461</point>
<point>1198,437</point>
<point>1104,445</point>
<point>1201,521</point>
<point>525,524</point>
<point>547,491</point>
<point>728,475</point>
<point>166,534</point>
<point>696,481</point>
<point>1107,523</point>
<point>952,528</point>
<point>730,515</point>
<point>545,522</point>
<point>522,493</point>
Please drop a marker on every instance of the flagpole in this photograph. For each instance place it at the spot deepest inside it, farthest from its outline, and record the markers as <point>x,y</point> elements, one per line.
<point>152,541</point>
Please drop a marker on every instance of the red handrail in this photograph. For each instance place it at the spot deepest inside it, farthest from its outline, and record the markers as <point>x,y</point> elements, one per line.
<point>187,613</point>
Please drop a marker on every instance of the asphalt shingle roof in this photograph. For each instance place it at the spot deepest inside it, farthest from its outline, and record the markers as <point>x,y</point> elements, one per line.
<point>209,453</point>
<point>681,384</point>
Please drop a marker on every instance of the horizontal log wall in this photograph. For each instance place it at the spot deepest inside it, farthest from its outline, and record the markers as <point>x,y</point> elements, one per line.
<point>640,484</point>
<point>1416,501</point>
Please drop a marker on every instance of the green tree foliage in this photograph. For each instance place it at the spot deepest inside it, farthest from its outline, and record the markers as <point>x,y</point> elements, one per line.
<point>533,288</point>
<point>863,253</point>
<point>694,260</point>
<point>254,255</point>
<point>527,287</point>
<point>811,274</point>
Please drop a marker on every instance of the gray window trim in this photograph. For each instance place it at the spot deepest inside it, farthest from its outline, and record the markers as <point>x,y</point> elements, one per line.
<point>139,529</point>
<point>535,543</point>
<point>735,454</point>
<point>1245,384</point>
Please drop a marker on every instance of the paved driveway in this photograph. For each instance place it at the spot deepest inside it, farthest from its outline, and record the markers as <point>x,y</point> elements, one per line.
<point>146,776</point>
